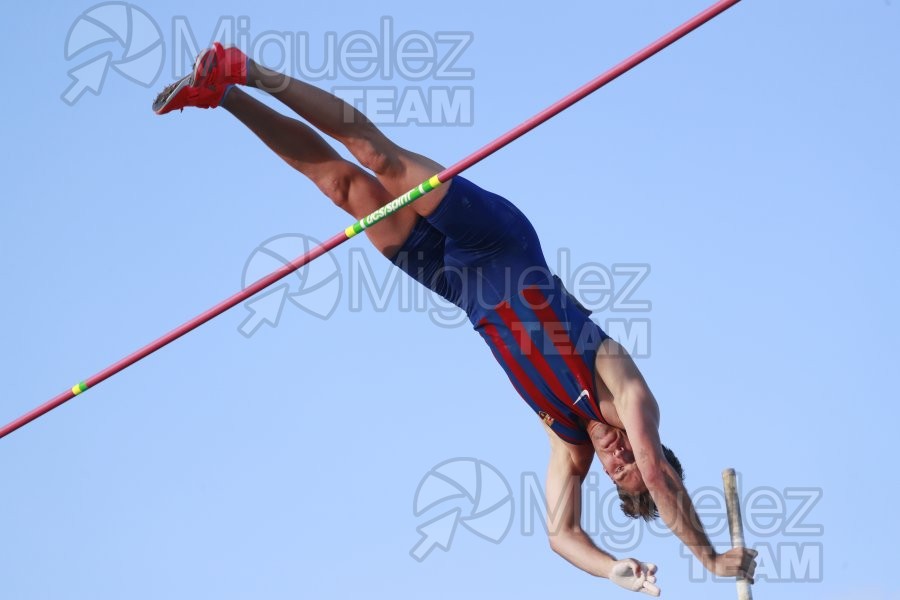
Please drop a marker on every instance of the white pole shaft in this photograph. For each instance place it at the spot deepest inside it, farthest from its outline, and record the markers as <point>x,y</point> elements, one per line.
<point>735,525</point>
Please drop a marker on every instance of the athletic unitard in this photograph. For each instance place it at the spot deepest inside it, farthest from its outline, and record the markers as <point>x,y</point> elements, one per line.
<point>481,253</point>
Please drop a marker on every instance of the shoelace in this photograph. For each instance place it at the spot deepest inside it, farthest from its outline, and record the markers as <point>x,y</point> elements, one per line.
<point>166,91</point>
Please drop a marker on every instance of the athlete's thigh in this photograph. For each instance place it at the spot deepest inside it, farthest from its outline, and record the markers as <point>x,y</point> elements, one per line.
<point>408,170</point>
<point>366,195</point>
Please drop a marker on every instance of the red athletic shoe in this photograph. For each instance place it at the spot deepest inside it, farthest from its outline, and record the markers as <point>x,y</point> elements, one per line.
<point>221,66</point>
<point>215,70</point>
<point>184,93</point>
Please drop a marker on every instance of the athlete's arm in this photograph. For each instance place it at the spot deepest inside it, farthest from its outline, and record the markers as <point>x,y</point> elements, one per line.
<point>640,416</point>
<point>567,470</point>
<point>639,412</point>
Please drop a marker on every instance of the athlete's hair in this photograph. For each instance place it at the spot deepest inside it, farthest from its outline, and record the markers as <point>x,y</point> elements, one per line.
<point>641,506</point>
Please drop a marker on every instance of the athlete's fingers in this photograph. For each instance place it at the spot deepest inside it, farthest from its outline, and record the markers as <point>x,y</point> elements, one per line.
<point>749,574</point>
<point>635,566</point>
<point>650,567</point>
<point>651,578</point>
<point>752,569</point>
<point>747,567</point>
<point>650,589</point>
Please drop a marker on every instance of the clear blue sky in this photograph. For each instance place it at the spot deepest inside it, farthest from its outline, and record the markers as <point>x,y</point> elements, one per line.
<point>753,167</point>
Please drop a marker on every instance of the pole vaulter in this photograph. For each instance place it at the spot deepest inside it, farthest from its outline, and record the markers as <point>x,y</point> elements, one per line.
<point>378,215</point>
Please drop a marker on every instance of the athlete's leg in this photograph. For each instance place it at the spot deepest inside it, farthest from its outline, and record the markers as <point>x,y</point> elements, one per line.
<point>398,169</point>
<point>473,218</point>
<point>348,186</point>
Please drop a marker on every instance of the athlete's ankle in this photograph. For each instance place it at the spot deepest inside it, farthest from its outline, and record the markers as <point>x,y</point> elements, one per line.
<point>259,76</point>
<point>230,91</point>
<point>265,79</point>
<point>253,75</point>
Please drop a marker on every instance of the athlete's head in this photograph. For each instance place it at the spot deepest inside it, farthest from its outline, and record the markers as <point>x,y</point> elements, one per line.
<point>636,501</point>
<point>615,453</point>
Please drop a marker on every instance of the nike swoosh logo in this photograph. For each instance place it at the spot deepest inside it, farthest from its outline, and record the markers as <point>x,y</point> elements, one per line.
<point>584,394</point>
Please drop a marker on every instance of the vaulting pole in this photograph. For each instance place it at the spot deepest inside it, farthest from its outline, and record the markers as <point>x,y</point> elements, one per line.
<point>396,204</point>
<point>735,526</point>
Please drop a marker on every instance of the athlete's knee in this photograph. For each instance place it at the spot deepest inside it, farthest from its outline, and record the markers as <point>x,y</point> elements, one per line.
<point>375,158</point>
<point>335,183</point>
<point>374,151</point>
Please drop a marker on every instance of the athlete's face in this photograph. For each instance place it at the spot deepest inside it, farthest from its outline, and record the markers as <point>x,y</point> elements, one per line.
<point>614,451</point>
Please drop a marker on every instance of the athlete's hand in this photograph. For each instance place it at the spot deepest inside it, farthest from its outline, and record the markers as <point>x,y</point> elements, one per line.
<point>737,562</point>
<point>635,576</point>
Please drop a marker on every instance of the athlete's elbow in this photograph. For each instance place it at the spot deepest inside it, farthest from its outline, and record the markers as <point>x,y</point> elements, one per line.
<point>557,544</point>
<point>561,541</point>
